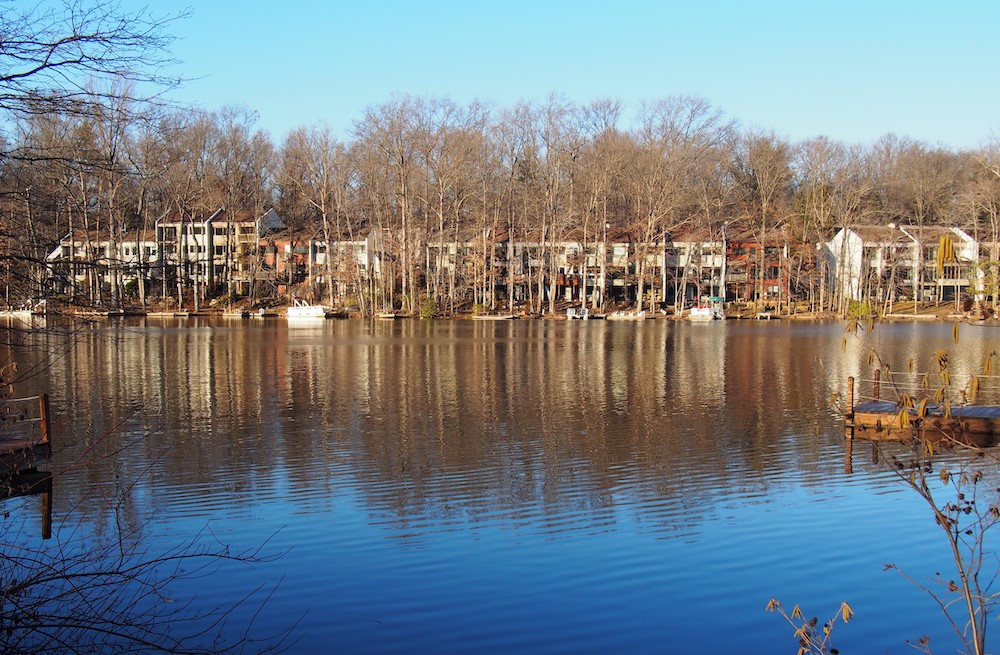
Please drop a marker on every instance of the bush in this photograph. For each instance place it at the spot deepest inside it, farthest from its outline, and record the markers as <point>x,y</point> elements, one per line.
<point>429,307</point>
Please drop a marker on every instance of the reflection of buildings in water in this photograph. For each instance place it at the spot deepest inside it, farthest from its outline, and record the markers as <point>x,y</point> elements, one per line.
<point>456,418</point>
<point>848,360</point>
<point>32,483</point>
<point>910,350</point>
<point>698,358</point>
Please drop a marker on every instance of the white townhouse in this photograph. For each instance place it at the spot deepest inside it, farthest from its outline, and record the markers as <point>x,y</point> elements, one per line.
<point>886,263</point>
<point>210,249</point>
<point>93,260</point>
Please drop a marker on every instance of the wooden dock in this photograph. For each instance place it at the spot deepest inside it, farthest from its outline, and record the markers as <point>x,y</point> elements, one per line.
<point>32,483</point>
<point>887,420</point>
<point>493,317</point>
<point>26,440</point>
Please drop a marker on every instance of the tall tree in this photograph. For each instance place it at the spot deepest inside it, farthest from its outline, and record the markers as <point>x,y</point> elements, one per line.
<point>762,167</point>
<point>603,180</point>
<point>67,57</point>
<point>386,132</point>
<point>677,137</point>
<point>448,137</point>
<point>315,167</point>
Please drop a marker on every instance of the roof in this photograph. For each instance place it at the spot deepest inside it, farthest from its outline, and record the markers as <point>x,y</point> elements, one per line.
<point>879,233</point>
<point>692,234</point>
<point>270,219</point>
<point>928,234</point>
<point>103,236</point>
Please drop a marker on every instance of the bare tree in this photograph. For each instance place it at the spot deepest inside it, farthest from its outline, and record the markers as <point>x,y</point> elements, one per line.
<point>448,137</point>
<point>315,167</point>
<point>677,137</point>
<point>57,59</point>
<point>603,178</point>
<point>386,132</point>
<point>762,168</point>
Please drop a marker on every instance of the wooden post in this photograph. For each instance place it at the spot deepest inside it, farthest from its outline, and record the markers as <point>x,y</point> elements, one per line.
<point>43,417</point>
<point>47,511</point>
<point>878,376</point>
<point>849,417</point>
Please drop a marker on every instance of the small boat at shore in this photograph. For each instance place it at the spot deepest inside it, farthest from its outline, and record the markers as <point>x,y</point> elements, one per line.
<point>626,316</point>
<point>26,311</point>
<point>22,314</point>
<point>493,317</point>
<point>712,309</point>
<point>302,309</point>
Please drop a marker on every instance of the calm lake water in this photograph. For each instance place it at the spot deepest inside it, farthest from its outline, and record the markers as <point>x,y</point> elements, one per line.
<point>496,487</point>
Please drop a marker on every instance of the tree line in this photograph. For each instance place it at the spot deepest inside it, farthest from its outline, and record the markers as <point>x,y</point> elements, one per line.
<point>114,160</point>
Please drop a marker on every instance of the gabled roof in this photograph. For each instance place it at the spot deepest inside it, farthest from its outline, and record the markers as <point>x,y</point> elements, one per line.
<point>82,236</point>
<point>879,234</point>
<point>743,234</point>
<point>929,234</point>
<point>691,234</point>
<point>271,222</point>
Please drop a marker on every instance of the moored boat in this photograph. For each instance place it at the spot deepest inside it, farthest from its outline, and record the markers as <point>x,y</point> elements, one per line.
<point>302,309</point>
<point>626,316</point>
<point>711,309</point>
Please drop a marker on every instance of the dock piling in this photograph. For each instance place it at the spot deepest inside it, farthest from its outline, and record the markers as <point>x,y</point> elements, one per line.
<point>849,422</point>
<point>43,418</point>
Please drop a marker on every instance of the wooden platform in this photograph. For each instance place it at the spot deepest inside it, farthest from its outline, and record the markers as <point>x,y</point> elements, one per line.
<point>26,440</point>
<point>32,483</point>
<point>493,317</point>
<point>18,455</point>
<point>884,421</point>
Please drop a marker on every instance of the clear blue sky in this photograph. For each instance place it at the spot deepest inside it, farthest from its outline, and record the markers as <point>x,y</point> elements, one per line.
<point>851,71</point>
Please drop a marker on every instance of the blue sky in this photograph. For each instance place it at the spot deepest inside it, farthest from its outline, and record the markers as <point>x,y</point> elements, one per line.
<point>851,71</point>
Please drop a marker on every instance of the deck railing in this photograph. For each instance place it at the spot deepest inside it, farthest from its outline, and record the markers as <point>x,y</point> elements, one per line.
<point>26,418</point>
<point>970,389</point>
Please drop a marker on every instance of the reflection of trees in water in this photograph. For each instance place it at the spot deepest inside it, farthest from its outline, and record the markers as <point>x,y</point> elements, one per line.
<point>469,420</point>
<point>902,345</point>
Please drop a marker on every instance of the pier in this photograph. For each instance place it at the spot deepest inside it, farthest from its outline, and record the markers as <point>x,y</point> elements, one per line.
<point>875,419</point>
<point>26,440</point>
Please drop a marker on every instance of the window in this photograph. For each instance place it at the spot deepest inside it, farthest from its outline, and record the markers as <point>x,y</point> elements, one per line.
<point>221,231</point>
<point>220,250</point>
<point>198,229</point>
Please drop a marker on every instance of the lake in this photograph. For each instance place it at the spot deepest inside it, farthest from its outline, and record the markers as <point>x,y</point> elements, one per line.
<point>511,486</point>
